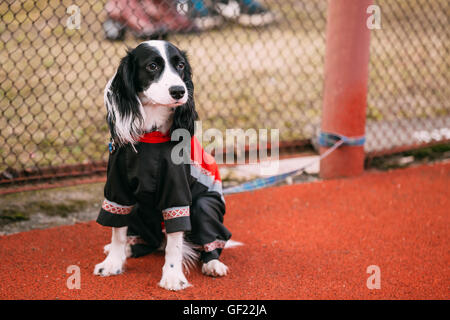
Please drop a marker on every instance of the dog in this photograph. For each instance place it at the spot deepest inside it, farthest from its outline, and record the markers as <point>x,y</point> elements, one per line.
<point>151,202</point>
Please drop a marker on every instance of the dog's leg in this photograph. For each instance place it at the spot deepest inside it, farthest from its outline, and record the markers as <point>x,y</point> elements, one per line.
<point>173,277</point>
<point>107,248</point>
<point>114,262</point>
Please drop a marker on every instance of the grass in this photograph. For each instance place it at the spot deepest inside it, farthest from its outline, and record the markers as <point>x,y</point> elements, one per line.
<point>51,93</point>
<point>57,202</point>
<point>14,212</point>
<point>428,154</point>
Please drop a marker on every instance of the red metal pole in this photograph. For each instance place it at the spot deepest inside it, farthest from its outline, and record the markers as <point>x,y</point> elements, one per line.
<point>345,88</point>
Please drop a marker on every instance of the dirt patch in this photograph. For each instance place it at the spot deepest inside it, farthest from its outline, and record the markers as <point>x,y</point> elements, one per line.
<point>431,154</point>
<point>47,208</point>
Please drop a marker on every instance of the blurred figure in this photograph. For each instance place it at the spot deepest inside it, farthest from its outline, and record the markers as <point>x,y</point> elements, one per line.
<point>147,19</point>
<point>254,14</point>
<point>203,15</point>
<point>168,15</point>
<point>153,19</point>
<point>207,14</point>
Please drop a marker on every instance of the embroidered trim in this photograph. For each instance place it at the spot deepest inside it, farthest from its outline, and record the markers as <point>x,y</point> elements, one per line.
<point>175,212</point>
<point>217,244</point>
<point>115,208</point>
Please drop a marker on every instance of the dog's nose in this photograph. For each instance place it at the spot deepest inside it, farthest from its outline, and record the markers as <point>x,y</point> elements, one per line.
<point>177,92</point>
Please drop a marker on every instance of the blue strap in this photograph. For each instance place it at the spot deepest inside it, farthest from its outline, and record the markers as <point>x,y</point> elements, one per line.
<point>332,140</point>
<point>327,139</point>
<point>260,182</point>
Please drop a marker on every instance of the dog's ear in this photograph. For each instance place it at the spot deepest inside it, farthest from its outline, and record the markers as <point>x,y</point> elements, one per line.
<point>124,115</point>
<point>185,115</point>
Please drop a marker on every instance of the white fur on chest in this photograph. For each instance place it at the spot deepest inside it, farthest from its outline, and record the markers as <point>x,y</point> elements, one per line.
<point>158,117</point>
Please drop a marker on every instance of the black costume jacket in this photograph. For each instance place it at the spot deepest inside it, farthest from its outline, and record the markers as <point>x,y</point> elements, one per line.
<point>146,191</point>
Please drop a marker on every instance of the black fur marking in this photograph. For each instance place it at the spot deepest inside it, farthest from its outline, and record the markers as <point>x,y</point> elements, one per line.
<point>124,94</point>
<point>186,115</point>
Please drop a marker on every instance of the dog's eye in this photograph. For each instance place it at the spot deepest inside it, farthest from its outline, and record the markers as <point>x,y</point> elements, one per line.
<point>152,67</point>
<point>181,65</point>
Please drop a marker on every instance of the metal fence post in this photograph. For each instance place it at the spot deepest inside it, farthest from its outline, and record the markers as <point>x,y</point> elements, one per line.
<point>345,86</point>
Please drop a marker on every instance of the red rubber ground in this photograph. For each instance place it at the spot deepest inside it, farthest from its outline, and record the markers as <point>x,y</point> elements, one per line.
<point>308,241</point>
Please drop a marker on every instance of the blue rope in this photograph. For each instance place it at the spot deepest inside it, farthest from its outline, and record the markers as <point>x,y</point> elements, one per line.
<point>260,183</point>
<point>326,139</point>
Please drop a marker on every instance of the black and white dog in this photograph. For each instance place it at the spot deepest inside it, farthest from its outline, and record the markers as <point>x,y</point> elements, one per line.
<point>150,201</point>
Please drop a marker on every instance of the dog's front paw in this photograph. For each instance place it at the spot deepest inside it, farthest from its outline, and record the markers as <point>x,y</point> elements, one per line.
<point>215,268</point>
<point>173,280</point>
<point>112,265</point>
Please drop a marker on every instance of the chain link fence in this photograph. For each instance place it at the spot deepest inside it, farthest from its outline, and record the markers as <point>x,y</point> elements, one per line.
<point>256,65</point>
<point>408,100</point>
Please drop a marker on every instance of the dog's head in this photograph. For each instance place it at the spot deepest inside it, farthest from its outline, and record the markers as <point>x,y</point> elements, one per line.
<point>154,73</point>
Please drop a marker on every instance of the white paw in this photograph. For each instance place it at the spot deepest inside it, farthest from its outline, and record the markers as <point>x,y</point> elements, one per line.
<point>112,265</point>
<point>173,280</point>
<point>215,268</point>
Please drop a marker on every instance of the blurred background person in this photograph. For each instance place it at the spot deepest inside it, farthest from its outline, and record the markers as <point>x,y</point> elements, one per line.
<point>207,14</point>
<point>146,19</point>
<point>151,19</point>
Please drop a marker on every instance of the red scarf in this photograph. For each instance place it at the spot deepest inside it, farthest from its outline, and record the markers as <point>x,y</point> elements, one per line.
<point>154,137</point>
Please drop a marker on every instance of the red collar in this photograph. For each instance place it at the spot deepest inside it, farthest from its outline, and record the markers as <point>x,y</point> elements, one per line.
<point>154,137</point>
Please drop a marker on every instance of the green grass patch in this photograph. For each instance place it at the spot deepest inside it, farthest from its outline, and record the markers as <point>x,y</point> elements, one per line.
<point>425,154</point>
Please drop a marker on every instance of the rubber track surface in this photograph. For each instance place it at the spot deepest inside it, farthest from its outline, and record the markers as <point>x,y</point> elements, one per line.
<point>306,241</point>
